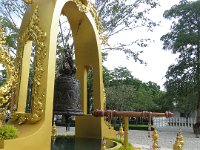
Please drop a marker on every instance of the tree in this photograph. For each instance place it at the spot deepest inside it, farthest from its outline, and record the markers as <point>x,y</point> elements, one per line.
<point>120,75</point>
<point>121,97</point>
<point>119,94</point>
<point>183,78</point>
<point>127,93</point>
<point>11,13</point>
<point>116,16</point>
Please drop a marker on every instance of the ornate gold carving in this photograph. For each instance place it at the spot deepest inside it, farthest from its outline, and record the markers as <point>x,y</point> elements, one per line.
<point>2,39</point>
<point>28,1</point>
<point>82,7</point>
<point>89,7</point>
<point>155,139</point>
<point>99,25</point>
<point>7,61</point>
<point>32,33</point>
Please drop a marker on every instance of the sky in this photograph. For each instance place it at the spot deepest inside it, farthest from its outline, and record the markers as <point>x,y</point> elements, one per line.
<point>157,59</point>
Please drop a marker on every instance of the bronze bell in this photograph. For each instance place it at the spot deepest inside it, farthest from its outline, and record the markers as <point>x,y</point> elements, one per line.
<point>67,96</point>
<point>67,88</point>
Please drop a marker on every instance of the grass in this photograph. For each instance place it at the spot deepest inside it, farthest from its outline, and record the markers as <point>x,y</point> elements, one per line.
<point>138,125</point>
<point>130,146</point>
<point>134,127</point>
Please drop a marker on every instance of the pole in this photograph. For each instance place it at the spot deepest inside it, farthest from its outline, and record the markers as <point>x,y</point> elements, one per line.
<point>126,124</point>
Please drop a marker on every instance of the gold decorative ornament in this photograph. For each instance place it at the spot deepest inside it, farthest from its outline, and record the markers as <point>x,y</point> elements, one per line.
<point>178,145</point>
<point>121,132</point>
<point>2,116</point>
<point>81,6</point>
<point>28,1</point>
<point>155,139</point>
<point>7,61</point>
<point>181,137</point>
<point>86,7</point>
<point>54,130</point>
<point>99,25</point>
<point>32,33</point>
<point>2,39</point>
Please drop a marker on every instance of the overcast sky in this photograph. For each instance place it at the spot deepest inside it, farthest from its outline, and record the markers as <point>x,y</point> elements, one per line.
<point>158,60</point>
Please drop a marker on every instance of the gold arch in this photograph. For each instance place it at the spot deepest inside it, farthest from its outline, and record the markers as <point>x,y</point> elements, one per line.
<point>34,33</point>
<point>40,25</point>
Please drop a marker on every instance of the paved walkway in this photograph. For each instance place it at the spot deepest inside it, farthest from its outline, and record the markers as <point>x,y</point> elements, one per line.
<point>166,139</point>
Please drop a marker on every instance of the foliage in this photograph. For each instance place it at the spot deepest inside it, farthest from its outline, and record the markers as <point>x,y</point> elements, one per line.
<point>8,132</point>
<point>2,76</point>
<point>130,146</point>
<point>11,13</point>
<point>183,78</point>
<point>124,92</point>
<point>121,97</point>
<point>116,16</point>
<point>127,93</point>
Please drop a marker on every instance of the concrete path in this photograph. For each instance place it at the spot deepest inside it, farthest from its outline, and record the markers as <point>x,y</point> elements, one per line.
<point>166,139</point>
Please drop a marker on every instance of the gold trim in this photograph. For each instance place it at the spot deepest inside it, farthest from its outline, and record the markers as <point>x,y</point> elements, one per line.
<point>36,34</point>
<point>7,61</point>
<point>28,1</point>
<point>90,8</point>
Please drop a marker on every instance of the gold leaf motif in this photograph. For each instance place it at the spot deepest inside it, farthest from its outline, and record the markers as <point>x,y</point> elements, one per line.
<point>90,8</point>
<point>34,33</point>
<point>7,61</point>
<point>28,1</point>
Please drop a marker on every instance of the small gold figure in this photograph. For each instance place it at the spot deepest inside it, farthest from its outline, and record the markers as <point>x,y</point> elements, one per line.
<point>155,139</point>
<point>181,137</point>
<point>121,132</point>
<point>178,145</point>
<point>2,116</point>
<point>54,130</point>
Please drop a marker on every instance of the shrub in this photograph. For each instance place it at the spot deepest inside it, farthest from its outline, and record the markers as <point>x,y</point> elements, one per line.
<point>130,146</point>
<point>8,132</point>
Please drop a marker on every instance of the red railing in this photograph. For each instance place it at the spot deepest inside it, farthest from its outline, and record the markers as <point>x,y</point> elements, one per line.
<point>126,115</point>
<point>113,113</point>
